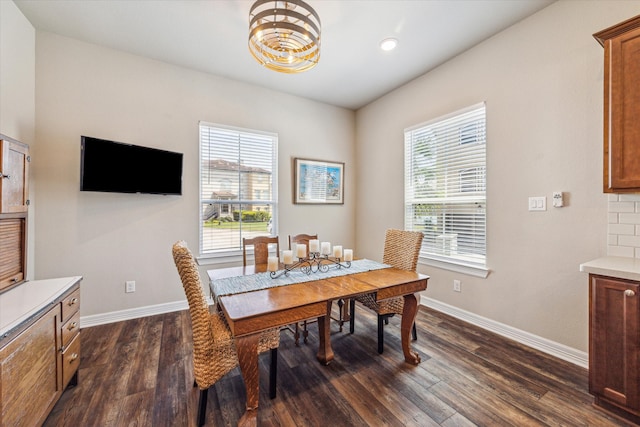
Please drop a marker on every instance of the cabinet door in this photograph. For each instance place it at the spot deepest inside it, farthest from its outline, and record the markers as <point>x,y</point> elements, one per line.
<point>30,382</point>
<point>13,253</point>
<point>622,107</point>
<point>614,341</point>
<point>14,174</point>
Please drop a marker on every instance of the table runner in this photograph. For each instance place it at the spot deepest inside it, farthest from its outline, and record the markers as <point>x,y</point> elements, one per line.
<point>258,281</point>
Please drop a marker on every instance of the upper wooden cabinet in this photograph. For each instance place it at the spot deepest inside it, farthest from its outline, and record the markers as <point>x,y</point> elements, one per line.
<point>14,175</point>
<point>14,204</point>
<point>621,106</point>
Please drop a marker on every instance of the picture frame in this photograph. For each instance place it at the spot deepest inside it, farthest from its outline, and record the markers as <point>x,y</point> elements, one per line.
<point>318,182</point>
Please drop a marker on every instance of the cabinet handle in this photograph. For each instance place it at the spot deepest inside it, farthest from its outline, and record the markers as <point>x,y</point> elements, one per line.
<point>629,293</point>
<point>73,357</point>
<point>72,326</point>
<point>73,301</point>
<point>5,176</point>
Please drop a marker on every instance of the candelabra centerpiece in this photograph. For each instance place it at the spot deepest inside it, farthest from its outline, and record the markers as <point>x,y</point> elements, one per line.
<point>321,258</point>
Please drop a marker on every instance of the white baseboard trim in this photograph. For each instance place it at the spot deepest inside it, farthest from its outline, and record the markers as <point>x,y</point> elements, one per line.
<point>132,313</point>
<point>553,348</point>
<point>558,350</point>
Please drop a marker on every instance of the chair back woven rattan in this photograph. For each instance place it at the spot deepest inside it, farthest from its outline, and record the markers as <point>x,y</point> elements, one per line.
<point>402,249</point>
<point>214,350</point>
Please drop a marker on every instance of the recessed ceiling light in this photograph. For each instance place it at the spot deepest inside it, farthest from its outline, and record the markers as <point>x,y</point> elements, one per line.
<point>388,44</point>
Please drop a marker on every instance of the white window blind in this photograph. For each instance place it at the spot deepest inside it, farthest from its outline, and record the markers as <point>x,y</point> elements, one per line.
<point>238,183</point>
<point>445,186</point>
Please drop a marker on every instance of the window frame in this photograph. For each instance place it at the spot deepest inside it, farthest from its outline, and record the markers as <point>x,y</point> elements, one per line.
<point>440,208</point>
<point>234,254</point>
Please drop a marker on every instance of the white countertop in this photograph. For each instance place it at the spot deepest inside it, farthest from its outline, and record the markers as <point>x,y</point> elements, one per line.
<point>614,266</point>
<point>26,299</point>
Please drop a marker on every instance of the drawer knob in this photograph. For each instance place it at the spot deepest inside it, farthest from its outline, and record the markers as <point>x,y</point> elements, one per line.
<point>73,301</point>
<point>72,326</point>
<point>73,357</point>
<point>629,293</point>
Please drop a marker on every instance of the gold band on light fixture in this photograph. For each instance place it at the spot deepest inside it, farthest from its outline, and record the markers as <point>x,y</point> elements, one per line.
<point>284,35</point>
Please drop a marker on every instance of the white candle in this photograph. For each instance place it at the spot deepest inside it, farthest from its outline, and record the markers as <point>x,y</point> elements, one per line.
<point>314,246</point>
<point>348,254</point>
<point>325,248</point>
<point>337,251</point>
<point>287,257</point>
<point>301,251</point>
<point>272,263</point>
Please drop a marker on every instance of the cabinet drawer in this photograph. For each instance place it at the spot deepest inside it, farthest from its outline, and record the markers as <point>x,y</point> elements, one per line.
<point>70,305</point>
<point>70,361</point>
<point>70,329</point>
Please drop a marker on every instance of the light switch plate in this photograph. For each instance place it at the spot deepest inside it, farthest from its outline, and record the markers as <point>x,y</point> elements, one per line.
<point>538,203</point>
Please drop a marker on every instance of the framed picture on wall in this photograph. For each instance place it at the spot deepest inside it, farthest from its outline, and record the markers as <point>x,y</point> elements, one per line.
<point>318,182</point>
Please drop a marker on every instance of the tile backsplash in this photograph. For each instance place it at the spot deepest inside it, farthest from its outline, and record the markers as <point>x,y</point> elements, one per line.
<point>624,225</point>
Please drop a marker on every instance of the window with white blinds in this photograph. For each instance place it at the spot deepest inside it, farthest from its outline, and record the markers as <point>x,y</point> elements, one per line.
<point>445,186</point>
<point>238,183</point>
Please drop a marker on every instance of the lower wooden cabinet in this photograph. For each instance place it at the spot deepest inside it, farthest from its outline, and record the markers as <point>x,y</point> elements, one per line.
<point>614,345</point>
<point>28,378</point>
<point>38,359</point>
<point>70,335</point>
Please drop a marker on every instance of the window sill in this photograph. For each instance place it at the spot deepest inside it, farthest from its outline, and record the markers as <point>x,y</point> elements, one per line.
<point>470,270</point>
<point>220,258</point>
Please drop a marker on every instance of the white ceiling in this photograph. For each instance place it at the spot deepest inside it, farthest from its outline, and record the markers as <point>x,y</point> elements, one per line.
<point>211,36</point>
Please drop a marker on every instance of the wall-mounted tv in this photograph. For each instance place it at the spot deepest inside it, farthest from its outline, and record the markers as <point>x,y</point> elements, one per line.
<point>125,168</point>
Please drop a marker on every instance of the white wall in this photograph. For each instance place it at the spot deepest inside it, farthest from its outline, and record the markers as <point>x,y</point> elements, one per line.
<point>541,79</point>
<point>84,89</point>
<point>542,82</point>
<point>17,93</point>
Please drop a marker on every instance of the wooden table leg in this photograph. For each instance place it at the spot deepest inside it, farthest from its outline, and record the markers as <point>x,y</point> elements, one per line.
<point>247,348</point>
<point>345,316</point>
<point>325,353</point>
<point>408,317</point>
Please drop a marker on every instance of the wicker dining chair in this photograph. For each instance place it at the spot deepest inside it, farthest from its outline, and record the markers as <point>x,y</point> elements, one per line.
<point>401,250</point>
<point>214,349</point>
<point>301,239</point>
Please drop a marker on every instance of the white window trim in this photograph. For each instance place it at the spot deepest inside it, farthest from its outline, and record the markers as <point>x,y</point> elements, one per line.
<point>233,256</point>
<point>446,263</point>
<point>468,269</point>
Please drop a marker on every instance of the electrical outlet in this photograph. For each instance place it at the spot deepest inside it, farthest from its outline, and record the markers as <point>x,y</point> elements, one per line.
<point>130,286</point>
<point>457,286</point>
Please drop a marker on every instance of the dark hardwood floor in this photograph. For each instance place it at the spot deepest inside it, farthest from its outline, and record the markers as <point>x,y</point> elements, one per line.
<point>139,373</point>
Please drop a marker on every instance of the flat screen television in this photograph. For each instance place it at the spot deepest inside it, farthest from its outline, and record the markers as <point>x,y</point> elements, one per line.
<point>116,167</point>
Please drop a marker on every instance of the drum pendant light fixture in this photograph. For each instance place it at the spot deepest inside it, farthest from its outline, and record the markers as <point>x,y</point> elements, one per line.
<point>284,35</point>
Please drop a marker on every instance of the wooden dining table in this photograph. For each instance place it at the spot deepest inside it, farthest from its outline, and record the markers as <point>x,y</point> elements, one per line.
<point>249,313</point>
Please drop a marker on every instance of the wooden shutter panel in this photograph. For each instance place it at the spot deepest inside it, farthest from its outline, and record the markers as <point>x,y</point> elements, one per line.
<point>12,253</point>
